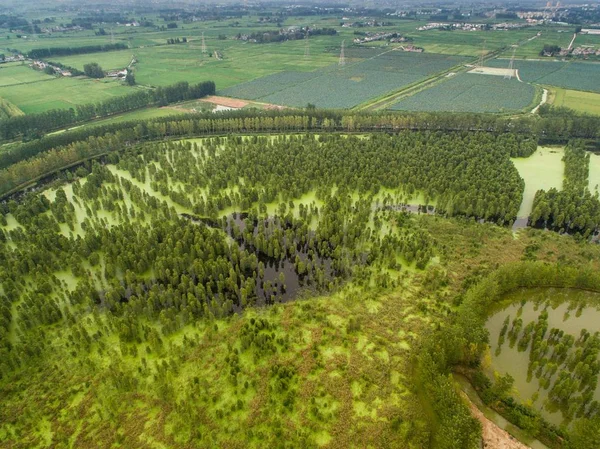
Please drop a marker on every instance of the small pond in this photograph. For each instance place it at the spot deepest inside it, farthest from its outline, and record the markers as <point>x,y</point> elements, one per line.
<point>548,340</point>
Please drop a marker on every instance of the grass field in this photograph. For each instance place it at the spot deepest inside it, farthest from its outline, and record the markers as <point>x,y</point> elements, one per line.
<point>569,75</point>
<point>21,74</point>
<point>579,101</point>
<point>468,92</point>
<point>7,109</point>
<point>347,86</point>
<point>61,93</point>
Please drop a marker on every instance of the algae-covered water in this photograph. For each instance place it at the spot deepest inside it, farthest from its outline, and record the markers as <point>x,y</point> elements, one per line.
<point>542,336</point>
<point>544,169</point>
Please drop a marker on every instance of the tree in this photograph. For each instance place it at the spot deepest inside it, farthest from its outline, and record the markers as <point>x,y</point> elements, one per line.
<point>130,79</point>
<point>93,70</point>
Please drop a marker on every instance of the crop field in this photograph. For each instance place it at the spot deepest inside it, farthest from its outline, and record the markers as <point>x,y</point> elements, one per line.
<point>579,101</point>
<point>569,75</point>
<point>61,93</point>
<point>530,49</point>
<point>468,43</point>
<point>21,74</point>
<point>7,109</point>
<point>471,93</point>
<point>347,86</point>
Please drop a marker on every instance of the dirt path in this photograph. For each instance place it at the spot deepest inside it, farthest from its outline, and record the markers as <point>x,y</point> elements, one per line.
<point>493,436</point>
<point>544,100</point>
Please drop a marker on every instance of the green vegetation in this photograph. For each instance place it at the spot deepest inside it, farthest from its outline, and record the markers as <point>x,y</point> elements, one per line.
<point>291,278</point>
<point>574,209</point>
<point>39,53</point>
<point>565,74</point>
<point>585,102</point>
<point>60,93</point>
<point>37,124</point>
<point>19,75</point>
<point>345,86</point>
<point>93,70</point>
<point>544,169</point>
<point>471,93</point>
<point>8,110</point>
<point>554,356</point>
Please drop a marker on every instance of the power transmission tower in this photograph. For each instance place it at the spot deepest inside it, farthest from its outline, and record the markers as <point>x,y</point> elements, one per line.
<point>112,36</point>
<point>203,44</point>
<point>342,56</point>
<point>511,66</point>
<point>306,47</point>
<point>482,54</point>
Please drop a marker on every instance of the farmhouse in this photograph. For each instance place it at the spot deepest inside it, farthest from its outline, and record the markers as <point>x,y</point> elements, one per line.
<point>117,73</point>
<point>412,48</point>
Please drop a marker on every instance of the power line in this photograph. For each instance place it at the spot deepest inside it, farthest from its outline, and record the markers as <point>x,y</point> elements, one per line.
<point>306,47</point>
<point>203,44</point>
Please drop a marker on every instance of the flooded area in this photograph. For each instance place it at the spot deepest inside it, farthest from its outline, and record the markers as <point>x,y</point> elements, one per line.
<point>282,279</point>
<point>544,169</point>
<point>548,340</point>
<point>594,178</point>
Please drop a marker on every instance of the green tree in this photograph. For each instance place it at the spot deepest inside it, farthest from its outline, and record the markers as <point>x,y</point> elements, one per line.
<point>93,70</point>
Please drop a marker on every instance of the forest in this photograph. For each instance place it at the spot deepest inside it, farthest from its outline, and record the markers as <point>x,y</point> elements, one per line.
<point>126,264</point>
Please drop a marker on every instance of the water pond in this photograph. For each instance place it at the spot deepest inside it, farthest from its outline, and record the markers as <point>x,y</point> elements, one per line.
<point>281,280</point>
<point>548,340</point>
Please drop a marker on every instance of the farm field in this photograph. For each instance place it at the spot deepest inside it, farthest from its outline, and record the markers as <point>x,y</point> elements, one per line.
<point>21,74</point>
<point>61,93</point>
<point>544,169</point>
<point>345,86</point>
<point>587,102</point>
<point>7,109</point>
<point>167,64</point>
<point>468,43</point>
<point>467,92</point>
<point>569,75</point>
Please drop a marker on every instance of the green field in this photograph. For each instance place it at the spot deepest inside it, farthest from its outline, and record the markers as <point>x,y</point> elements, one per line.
<point>346,86</point>
<point>587,102</point>
<point>7,109</point>
<point>566,74</point>
<point>561,36</point>
<point>468,92</point>
<point>61,93</point>
<point>21,74</point>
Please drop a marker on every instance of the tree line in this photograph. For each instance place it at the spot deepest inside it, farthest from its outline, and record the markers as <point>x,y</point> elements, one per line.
<point>34,125</point>
<point>40,53</point>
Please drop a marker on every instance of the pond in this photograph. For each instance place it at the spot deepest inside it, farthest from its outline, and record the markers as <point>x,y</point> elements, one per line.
<point>281,280</point>
<point>544,169</point>
<point>548,340</point>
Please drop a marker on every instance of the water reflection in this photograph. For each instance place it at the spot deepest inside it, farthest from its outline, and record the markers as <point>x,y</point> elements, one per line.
<point>548,340</point>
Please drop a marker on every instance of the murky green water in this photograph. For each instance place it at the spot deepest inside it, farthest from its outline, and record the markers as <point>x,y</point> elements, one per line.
<point>548,340</point>
<point>544,169</point>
